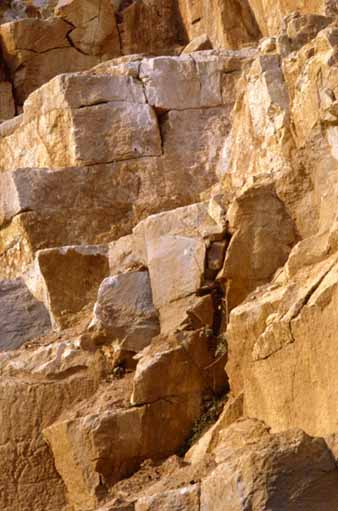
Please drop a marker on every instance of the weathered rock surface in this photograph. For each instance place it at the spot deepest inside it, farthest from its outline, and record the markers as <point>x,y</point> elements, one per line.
<point>264,471</point>
<point>174,500</point>
<point>68,279</point>
<point>94,451</point>
<point>228,24</point>
<point>269,15</point>
<point>22,316</point>
<point>124,309</point>
<point>168,234</point>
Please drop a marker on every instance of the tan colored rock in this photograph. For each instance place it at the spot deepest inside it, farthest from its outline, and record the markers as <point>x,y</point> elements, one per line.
<point>228,24</point>
<point>37,50</point>
<point>170,281</point>
<point>33,218</point>
<point>178,235</point>
<point>263,235</point>
<point>95,31</point>
<point>193,222</point>
<point>247,321</point>
<point>174,500</point>
<point>197,79</point>
<point>51,361</point>
<point>149,26</point>
<point>199,43</point>
<point>269,15</point>
<point>124,309</point>
<point>7,104</point>
<point>123,255</point>
<point>167,369</point>
<point>70,277</point>
<point>27,407</point>
<point>281,471</point>
<point>94,451</point>
<point>22,316</point>
<point>287,341</point>
<point>260,139</point>
<point>188,313</point>
<point>233,410</point>
<point>176,365</point>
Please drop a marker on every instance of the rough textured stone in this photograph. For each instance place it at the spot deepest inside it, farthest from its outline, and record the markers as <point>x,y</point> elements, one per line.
<point>93,451</point>
<point>70,278</point>
<point>174,500</point>
<point>199,43</point>
<point>269,15</point>
<point>269,469</point>
<point>7,104</point>
<point>94,30</point>
<point>233,410</point>
<point>228,24</point>
<point>37,50</point>
<point>33,218</point>
<point>26,407</point>
<point>22,316</point>
<point>149,26</point>
<point>226,163</point>
<point>262,237</point>
<point>124,308</point>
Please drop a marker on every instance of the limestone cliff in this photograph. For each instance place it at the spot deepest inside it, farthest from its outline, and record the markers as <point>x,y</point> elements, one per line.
<point>168,255</point>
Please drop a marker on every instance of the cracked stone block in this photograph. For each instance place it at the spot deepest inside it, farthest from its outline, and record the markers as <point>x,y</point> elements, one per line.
<point>22,316</point>
<point>173,365</point>
<point>173,246</point>
<point>94,29</point>
<point>34,218</point>
<point>95,451</point>
<point>66,126</point>
<point>36,50</point>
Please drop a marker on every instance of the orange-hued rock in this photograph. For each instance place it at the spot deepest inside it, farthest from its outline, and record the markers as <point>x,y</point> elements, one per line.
<point>149,26</point>
<point>69,278</point>
<point>93,28</point>
<point>262,237</point>
<point>34,482</point>
<point>266,471</point>
<point>269,15</point>
<point>94,451</point>
<point>228,24</point>
<point>168,255</point>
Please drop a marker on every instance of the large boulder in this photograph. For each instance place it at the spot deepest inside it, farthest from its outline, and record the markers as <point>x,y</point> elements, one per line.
<point>258,470</point>
<point>94,451</point>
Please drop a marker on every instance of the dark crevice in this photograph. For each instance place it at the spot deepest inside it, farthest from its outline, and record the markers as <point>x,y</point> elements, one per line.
<point>197,20</point>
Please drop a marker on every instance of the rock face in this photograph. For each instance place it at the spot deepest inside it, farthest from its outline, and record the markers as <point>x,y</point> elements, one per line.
<point>279,461</point>
<point>168,255</point>
<point>125,310</point>
<point>19,309</point>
